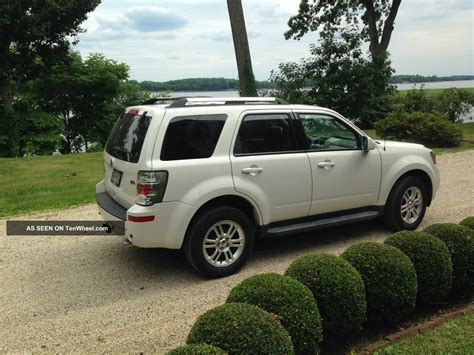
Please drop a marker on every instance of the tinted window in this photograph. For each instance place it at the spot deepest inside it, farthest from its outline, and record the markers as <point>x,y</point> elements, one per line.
<point>269,133</point>
<point>192,137</point>
<point>126,139</point>
<point>327,133</point>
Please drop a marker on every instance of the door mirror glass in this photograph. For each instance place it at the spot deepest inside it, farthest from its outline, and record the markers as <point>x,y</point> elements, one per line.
<point>367,144</point>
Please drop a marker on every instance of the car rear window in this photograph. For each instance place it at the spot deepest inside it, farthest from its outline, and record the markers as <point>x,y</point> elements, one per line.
<point>192,137</point>
<point>126,139</point>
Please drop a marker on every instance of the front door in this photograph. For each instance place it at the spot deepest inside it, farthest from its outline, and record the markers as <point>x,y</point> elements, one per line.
<point>268,166</point>
<point>344,176</point>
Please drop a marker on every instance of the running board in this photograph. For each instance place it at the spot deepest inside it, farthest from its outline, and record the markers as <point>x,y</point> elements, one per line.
<point>322,223</point>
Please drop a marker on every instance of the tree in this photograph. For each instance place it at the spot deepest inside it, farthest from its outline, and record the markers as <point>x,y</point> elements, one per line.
<point>376,16</point>
<point>87,96</point>
<point>34,35</point>
<point>343,78</point>
<point>241,46</point>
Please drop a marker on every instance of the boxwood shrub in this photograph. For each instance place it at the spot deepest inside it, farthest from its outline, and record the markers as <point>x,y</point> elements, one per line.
<point>291,301</point>
<point>432,261</point>
<point>460,242</point>
<point>468,222</point>
<point>339,291</point>
<point>389,278</point>
<point>197,349</point>
<point>240,328</point>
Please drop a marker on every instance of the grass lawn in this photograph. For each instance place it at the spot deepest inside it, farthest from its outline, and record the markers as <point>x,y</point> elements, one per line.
<point>467,143</point>
<point>456,336</point>
<point>42,183</point>
<point>432,92</point>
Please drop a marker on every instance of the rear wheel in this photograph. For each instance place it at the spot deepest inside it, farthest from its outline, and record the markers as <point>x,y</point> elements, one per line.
<point>406,204</point>
<point>219,241</point>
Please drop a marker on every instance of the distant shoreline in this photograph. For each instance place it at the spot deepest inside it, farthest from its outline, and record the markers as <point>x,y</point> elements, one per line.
<point>224,84</point>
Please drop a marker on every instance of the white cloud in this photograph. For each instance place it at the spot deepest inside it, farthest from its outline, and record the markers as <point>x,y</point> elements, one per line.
<point>163,40</point>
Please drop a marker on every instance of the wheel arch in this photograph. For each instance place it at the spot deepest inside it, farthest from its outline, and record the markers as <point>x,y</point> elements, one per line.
<point>423,176</point>
<point>237,201</point>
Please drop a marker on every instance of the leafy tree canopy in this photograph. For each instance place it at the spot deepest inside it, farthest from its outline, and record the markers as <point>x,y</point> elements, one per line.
<point>34,35</point>
<point>374,18</point>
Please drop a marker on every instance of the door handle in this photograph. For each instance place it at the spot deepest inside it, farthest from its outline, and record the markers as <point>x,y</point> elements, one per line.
<point>252,170</point>
<point>327,164</point>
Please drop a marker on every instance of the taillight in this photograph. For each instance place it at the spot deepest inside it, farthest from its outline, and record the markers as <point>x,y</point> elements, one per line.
<point>433,157</point>
<point>151,187</point>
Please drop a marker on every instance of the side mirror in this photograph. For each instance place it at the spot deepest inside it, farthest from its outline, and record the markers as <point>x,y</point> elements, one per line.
<point>367,144</point>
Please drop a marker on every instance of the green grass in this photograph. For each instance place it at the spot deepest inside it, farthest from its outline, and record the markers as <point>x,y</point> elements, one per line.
<point>432,92</point>
<point>467,140</point>
<point>42,183</point>
<point>456,336</point>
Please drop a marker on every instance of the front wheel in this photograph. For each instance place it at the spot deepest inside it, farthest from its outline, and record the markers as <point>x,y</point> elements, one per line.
<point>219,241</point>
<point>406,204</point>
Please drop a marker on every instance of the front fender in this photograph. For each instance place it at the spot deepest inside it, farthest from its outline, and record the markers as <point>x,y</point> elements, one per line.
<point>392,171</point>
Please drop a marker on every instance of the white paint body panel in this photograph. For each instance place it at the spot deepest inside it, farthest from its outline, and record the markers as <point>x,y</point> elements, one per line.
<point>290,185</point>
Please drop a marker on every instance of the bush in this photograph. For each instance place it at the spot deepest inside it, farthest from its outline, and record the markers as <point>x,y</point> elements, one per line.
<point>454,103</point>
<point>468,222</point>
<point>432,261</point>
<point>389,278</point>
<point>291,301</point>
<point>241,328</point>
<point>431,129</point>
<point>339,291</point>
<point>460,243</point>
<point>197,349</point>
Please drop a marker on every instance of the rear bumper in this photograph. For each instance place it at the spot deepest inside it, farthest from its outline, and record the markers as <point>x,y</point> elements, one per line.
<point>166,230</point>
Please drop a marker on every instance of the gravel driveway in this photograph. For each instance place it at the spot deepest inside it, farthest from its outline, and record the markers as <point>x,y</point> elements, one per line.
<point>93,294</point>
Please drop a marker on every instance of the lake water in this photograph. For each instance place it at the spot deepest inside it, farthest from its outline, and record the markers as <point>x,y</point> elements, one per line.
<point>408,86</point>
<point>469,117</point>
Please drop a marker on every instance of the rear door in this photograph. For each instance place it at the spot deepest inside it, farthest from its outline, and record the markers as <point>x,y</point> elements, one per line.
<point>268,166</point>
<point>125,154</point>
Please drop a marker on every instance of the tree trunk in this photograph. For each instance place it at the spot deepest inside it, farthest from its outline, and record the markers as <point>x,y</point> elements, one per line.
<point>241,46</point>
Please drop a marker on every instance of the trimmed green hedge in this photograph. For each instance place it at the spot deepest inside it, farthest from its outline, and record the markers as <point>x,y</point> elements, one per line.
<point>339,291</point>
<point>197,349</point>
<point>460,242</point>
<point>241,328</point>
<point>389,278</point>
<point>291,301</point>
<point>432,261</point>
<point>468,222</point>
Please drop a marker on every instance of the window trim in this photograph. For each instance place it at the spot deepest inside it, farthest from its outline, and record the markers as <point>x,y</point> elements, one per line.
<point>292,128</point>
<point>303,134</point>
<point>225,116</point>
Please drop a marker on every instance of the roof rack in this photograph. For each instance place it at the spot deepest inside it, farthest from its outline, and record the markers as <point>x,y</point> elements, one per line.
<point>195,101</point>
<point>154,100</point>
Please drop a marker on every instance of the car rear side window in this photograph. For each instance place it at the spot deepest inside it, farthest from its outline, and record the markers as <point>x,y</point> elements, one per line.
<point>126,139</point>
<point>192,137</point>
<point>265,133</point>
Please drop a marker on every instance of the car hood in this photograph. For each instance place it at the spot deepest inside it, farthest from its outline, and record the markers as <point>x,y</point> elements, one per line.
<point>398,145</point>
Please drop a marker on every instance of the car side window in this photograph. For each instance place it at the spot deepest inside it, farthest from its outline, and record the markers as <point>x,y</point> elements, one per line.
<point>192,137</point>
<point>265,133</point>
<point>323,132</point>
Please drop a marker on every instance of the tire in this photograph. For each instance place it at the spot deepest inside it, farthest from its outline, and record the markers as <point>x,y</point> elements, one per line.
<point>393,216</point>
<point>223,229</point>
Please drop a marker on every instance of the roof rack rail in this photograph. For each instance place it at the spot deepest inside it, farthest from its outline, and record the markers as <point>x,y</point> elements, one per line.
<point>154,100</point>
<point>194,101</point>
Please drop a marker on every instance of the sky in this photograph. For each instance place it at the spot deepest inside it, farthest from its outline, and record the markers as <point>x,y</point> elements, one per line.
<point>165,40</point>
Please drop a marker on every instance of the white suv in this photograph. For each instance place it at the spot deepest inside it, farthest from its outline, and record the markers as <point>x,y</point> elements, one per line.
<point>210,175</point>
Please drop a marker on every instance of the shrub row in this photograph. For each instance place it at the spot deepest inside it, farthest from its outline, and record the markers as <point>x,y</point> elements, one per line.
<point>325,297</point>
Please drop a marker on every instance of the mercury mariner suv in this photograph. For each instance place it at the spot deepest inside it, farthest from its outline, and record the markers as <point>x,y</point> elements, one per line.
<point>211,175</point>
